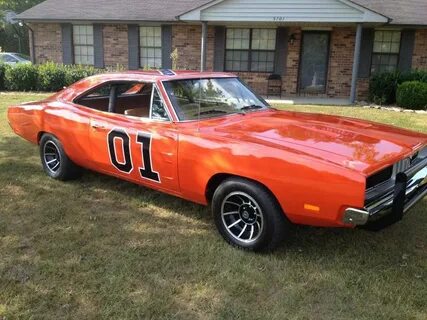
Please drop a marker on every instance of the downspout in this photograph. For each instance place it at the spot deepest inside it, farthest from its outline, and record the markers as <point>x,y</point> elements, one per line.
<point>32,47</point>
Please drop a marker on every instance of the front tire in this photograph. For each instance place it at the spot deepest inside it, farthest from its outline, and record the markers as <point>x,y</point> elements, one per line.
<point>248,216</point>
<point>55,162</point>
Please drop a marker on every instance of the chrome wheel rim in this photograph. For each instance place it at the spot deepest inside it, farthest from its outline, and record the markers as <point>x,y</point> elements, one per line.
<point>242,217</point>
<point>51,156</point>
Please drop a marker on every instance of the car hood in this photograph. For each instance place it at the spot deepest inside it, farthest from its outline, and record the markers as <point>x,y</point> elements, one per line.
<point>360,145</point>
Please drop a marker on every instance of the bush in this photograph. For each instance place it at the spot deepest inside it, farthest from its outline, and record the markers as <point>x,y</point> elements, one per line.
<point>3,68</point>
<point>51,77</point>
<point>76,73</point>
<point>412,95</point>
<point>22,77</point>
<point>45,77</point>
<point>383,86</point>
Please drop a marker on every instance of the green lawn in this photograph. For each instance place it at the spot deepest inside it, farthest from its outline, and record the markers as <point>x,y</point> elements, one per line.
<point>101,248</point>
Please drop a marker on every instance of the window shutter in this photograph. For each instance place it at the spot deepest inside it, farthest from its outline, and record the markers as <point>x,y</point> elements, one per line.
<point>281,51</point>
<point>407,43</point>
<point>368,36</point>
<point>219,51</point>
<point>133,42</point>
<point>166,46</point>
<point>67,43</point>
<point>98,43</point>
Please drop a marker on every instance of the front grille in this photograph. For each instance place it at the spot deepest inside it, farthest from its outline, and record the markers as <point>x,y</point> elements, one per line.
<point>383,181</point>
<point>379,177</point>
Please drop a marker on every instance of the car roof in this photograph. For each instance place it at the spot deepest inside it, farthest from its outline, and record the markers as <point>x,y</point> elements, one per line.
<point>158,75</point>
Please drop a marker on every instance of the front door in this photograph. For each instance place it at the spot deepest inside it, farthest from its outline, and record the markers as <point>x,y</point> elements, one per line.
<point>134,138</point>
<point>314,62</point>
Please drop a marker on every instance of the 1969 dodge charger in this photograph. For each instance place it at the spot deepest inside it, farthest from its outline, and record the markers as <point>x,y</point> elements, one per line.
<point>208,138</point>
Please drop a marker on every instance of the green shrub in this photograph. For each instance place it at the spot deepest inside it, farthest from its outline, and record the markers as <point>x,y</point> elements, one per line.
<point>412,95</point>
<point>415,75</point>
<point>51,77</point>
<point>22,77</point>
<point>76,73</point>
<point>383,86</point>
<point>3,68</point>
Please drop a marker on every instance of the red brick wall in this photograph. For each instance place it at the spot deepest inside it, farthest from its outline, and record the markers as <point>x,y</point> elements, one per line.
<point>116,45</point>
<point>341,62</point>
<point>290,80</point>
<point>187,40</point>
<point>419,59</point>
<point>47,42</point>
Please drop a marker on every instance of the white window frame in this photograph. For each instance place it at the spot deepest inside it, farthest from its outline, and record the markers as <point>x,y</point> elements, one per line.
<point>83,44</point>
<point>150,47</point>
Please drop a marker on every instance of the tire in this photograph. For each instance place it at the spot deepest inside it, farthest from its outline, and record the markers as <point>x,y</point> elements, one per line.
<point>55,162</point>
<point>263,225</point>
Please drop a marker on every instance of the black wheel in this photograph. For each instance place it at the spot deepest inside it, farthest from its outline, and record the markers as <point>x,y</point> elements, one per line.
<point>55,162</point>
<point>248,216</point>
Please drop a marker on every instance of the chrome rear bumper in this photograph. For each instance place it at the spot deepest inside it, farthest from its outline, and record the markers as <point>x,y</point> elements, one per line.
<point>389,207</point>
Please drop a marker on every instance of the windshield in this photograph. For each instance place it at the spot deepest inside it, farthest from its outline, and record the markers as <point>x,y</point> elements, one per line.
<point>215,97</point>
<point>21,56</point>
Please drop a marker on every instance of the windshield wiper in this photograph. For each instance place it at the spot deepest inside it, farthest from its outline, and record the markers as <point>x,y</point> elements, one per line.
<point>212,111</point>
<point>251,107</point>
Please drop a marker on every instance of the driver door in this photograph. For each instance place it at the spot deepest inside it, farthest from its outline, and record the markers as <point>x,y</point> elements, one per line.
<point>136,140</point>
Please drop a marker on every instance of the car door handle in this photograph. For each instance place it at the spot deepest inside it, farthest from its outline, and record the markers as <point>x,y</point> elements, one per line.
<point>97,125</point>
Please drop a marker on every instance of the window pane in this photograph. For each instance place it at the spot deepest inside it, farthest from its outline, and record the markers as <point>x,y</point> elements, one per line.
<point>150,46</point>
<point>262,61</point>
<point>395,47</point>
<point>237,38</point>
<point>83,44</point>
<point>264,39</point>
<point>386,50</point>
<point>396,36</point>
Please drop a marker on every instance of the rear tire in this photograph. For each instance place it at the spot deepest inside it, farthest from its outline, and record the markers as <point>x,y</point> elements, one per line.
<point>248,216</point>
<point>55,162</point>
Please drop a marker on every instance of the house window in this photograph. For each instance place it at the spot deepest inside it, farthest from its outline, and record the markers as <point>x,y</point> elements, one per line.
<point>250,49</point>
<point>83,44</point>
<point>150,47</point>
<point>385,54</point>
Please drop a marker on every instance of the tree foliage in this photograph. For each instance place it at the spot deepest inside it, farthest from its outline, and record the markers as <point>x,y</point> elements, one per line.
<point>14,38</point>
<point>18,6</point>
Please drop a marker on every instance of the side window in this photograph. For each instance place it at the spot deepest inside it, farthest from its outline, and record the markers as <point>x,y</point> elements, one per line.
<point>103,91</point>
<point>135,99</point>
<point>158,108</point>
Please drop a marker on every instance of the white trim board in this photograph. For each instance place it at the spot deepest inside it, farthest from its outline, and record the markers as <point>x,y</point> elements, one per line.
<point>284,11</point>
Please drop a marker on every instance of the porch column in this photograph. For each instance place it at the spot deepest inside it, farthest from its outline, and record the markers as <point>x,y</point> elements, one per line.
<point>356,61</point>
<point>204,46</point>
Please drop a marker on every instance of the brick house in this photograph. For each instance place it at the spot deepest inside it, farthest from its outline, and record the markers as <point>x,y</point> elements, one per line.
<point>322,48</point>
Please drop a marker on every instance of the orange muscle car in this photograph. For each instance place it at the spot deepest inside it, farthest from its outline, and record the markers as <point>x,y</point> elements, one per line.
<point>208,138</point>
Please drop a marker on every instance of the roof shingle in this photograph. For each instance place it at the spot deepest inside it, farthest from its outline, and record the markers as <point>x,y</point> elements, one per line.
<point>408,12</point>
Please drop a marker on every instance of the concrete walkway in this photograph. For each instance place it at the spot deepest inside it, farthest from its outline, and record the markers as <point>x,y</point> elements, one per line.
<point>309,100</point>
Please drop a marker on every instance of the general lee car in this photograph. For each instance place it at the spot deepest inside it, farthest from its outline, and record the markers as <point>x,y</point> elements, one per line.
<point>206,137</point>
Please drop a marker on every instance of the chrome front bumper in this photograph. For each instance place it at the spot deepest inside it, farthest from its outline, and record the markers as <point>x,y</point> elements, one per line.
<point>389,206</point>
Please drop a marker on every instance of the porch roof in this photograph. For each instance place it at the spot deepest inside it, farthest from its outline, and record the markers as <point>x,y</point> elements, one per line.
<point>284,11</point>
